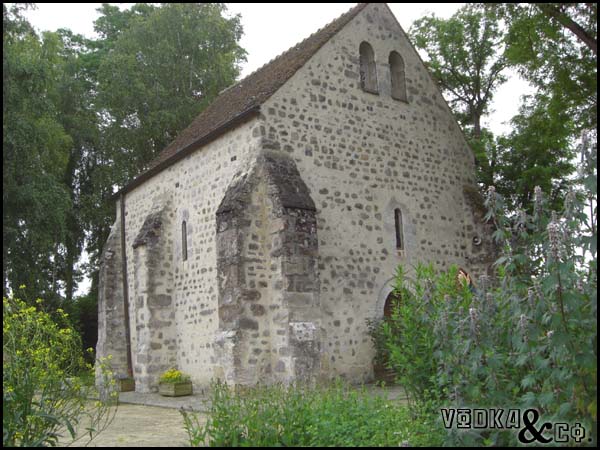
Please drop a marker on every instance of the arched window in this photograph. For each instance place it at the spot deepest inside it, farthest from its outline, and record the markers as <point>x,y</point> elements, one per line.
<point>397,77</point>
<point>399,234</point>
<point>184,241</point>
<point>368,71</point>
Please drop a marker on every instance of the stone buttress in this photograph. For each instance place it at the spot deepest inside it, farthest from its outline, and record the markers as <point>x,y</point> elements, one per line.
<point>482,251</point>
<point>152,316</point>
<point>112,336</point>
<point>155,327</point>
<point>267,248</point>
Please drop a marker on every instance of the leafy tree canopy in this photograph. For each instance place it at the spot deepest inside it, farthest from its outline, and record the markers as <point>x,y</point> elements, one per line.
<point>553,46</point>
<point>82,116</point>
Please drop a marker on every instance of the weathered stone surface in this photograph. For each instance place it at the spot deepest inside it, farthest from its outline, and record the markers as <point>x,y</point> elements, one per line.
<point>248,324</point>
<point>290,219</point>
<point>159,301</point>
<point>270,195</point>
<point>257,310</point>
<point>111,307</point>
<point>154,317</point>
<point>150,231</point>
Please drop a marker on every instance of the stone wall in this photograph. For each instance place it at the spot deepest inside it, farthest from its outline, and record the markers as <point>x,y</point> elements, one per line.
<point>163,288</point>
<point>111,312</point>
<point>273,289</point>
<point>269,311</point>
<point>155,329</point>
<point>362,155</point>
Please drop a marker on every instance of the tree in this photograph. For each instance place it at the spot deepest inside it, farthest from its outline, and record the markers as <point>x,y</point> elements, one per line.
<point>564,14</point>
<point>34,156</point>
<point>78,116</point>
<point>464,55</point>
<point>150,84</point>
<point>553,46</point>
<point>536,152</point>
<point>81,117</point>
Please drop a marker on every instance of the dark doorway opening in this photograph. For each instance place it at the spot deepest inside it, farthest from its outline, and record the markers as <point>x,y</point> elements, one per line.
<point>381,372</point>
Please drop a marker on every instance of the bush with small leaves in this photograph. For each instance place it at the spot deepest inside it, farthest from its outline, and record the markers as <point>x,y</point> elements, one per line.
<point>43,392</point>
<point>526,339</point>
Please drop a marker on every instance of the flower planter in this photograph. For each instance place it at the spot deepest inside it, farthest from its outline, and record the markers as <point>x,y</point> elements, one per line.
<point>175,389</point>
<point>126,384</point>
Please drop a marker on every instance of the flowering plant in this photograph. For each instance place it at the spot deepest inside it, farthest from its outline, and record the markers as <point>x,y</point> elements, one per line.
<point>44,394</point>
<point>525,337</point>
<point>174,376</point>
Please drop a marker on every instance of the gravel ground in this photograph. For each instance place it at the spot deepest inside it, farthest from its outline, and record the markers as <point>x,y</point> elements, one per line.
<point>141,426</point>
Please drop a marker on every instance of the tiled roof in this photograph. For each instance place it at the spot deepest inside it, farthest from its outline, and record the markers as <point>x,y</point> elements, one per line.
<point>240,100</point>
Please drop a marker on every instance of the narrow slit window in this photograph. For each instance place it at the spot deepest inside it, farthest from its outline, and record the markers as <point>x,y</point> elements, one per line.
<point>399,235</point>
<point>397,77</point>
<point>368,70</point>
<point>184,241</point>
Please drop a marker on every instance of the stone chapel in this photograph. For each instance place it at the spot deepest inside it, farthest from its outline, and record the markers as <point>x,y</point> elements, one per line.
<point>259,242</point>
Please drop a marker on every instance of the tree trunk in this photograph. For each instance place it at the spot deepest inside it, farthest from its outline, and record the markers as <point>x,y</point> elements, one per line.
<point>570,24</point>
<point>70,269</point>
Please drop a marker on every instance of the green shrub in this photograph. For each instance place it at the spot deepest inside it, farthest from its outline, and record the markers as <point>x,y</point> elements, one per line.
<point>301,416</point>
<point>527,340</point>
<point>410,338</point>
<point>83,314</point>
<point>42,392</point>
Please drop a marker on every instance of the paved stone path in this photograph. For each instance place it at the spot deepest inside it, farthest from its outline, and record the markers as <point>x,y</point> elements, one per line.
<point>199,401</point>
<point>142,426</point>
<point>148,420</point>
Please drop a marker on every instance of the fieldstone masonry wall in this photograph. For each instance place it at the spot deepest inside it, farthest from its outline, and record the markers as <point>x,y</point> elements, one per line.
<point>482,250</point>
<point>155,330</point>
<point>269,312</point>
<point>111,312</point>
<point>190,190</point>
<point>362,155</point>
<point>290,224</point>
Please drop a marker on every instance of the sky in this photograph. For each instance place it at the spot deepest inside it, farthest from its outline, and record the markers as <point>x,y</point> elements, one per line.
<point>289,23</point>
<point>272,28</point>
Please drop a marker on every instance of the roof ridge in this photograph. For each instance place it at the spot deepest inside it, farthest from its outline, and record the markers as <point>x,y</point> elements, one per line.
<point>298,44</point>
<point>244,96</point>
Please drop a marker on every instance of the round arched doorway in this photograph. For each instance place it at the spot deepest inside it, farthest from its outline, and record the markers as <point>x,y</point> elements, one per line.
<point>380,371</point>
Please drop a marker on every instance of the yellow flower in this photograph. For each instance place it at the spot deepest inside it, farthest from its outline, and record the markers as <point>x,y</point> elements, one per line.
<point>173,376</point>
